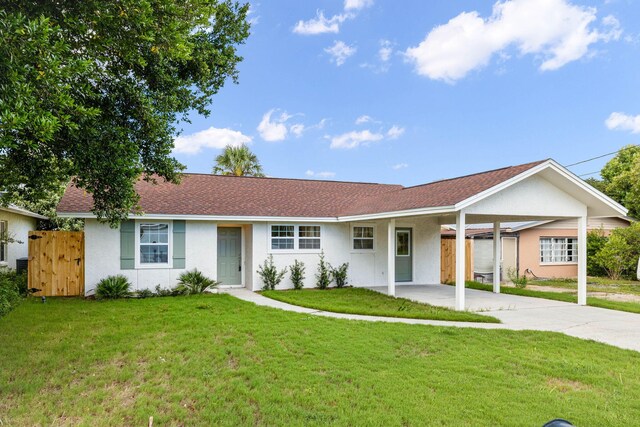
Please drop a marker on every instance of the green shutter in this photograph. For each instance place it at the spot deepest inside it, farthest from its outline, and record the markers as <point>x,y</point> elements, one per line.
<point>127,245</point>
<point>179,229</point>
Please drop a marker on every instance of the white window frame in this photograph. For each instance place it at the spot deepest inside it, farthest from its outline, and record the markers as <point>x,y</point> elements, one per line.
<point>141,265</point>
<point>553,254</point>
<point>4,229</point>
<point>353,238</point>
<point>296,239</point>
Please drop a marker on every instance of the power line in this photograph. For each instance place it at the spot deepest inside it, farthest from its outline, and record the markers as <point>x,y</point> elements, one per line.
<point>597,157</point>
<point>587,174</point>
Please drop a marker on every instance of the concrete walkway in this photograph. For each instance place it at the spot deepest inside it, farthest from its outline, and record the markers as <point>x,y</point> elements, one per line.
<point>613,327</point>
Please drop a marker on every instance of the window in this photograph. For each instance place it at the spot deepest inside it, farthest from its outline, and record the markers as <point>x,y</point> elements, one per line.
<point>403,243</point>
<point>154,243</point>
<point>558,250</point>
<point>4,236</point>
<point>296,237</point>
<point>282,236</point>
<point>363,238</point>
<point>309,237</point>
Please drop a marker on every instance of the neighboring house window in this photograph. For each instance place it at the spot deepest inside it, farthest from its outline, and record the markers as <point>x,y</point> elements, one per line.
<point>154,243</point>
<point>558,249</point>
<point>362,238</point>
<point>4,236</point>
<point>296,237</point>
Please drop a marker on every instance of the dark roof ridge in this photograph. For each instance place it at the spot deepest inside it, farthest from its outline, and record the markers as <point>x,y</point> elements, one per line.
<point>476,173</point>
<point>293,179</point>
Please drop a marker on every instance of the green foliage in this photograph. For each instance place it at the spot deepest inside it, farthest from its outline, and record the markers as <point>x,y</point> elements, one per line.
<point>615,256</point>
<point>113,287</point>
<point>194,282</point>
<point>96,89</point>
<point>237,161</point>
<point>323,276</point>
<point>145,293</point>
<point>339,274</point>
<point>297,274</point>
<point>595,241</point>
<point>13,287</point>
<point>270,275</point>
<point>515,278</point>
<point>621,179</point>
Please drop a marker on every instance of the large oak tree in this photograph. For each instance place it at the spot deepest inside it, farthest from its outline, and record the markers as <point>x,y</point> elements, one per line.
<point>96,89</point>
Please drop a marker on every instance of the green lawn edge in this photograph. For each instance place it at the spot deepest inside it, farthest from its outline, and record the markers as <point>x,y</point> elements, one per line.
<point>629,307</point>
<point>371,303</point>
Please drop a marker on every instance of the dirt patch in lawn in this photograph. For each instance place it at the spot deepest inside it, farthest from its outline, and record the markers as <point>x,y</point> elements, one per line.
<point>616,297</point>
<point>564,385</point>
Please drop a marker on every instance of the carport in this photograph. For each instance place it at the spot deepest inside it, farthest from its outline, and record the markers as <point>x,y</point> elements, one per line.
<point>539,191</point>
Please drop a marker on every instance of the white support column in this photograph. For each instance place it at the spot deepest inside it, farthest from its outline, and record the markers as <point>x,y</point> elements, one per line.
<point>582,260</point>
<point>460,259</point>
<point>391,258</point>
<point>496,256</point>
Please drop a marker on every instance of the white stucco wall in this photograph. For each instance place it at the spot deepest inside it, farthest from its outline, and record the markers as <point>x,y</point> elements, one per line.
<point>18,227</point>
<point>102,256</point>
<point>534,196</point>
<point>366,268</point>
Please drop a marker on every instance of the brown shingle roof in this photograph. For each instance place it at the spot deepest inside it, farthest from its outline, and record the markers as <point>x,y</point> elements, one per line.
<point>214,195</point>
<point>447,192</point>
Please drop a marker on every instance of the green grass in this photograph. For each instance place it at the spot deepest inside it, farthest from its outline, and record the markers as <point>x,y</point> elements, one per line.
<point>631,307</point>
<point>594,284</point>
<point>216,360</point>
<point>372,303</point>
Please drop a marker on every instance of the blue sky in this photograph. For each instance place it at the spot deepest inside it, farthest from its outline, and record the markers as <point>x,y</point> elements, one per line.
<point>414,91</point>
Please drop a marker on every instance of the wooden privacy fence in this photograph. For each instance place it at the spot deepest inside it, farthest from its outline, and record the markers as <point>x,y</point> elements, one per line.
<point>448,260</point>
<point>56,262</point>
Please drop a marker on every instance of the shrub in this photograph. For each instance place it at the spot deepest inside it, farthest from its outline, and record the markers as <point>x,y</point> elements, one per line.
<point>340,274</point>
<point>595,242</point>
<point>145,293</point>
<point>323,277</point>
<point>615,256</point>
<point>270,275</point>
<point>297,274</point>
<point>112,287</point>
<point>12,287</point>
<point>194,282</point>
<point>516,279</point>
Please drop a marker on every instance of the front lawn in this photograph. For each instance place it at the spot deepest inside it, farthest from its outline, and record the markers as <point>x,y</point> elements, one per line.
<point>216,360</point>
<point>631,307</point>
<point>372,303</point>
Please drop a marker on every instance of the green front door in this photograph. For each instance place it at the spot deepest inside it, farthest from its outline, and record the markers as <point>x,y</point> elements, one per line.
<point>229,255</point>
<point>404,255</point>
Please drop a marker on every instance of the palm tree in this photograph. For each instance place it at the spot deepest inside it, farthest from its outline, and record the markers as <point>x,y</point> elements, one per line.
<point>237,161</point>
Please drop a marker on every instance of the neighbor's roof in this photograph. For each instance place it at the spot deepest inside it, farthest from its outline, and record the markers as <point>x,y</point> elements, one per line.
<point>214,195</point>
<point>20,211</point>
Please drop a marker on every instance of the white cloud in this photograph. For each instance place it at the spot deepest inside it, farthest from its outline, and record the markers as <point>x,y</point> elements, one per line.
<point>273,130</point>
<point>354,139</point>
<point>363,119</point>
<point>357,4</point>
<point>385,51</point>
<point>297,129</point>
<point>324,174</point>
<point>395,132</point>
<point>622,121</point>
<point>340,51</point>
<point>209,138</point>
<point>399,166</point>
<point>556,31</point>
<point>321,24</point>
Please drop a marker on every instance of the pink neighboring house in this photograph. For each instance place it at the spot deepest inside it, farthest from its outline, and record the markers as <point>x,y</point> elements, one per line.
<point>548,248</point>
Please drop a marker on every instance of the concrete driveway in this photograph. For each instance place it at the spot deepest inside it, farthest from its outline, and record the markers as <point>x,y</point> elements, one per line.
<point>609,326</point>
